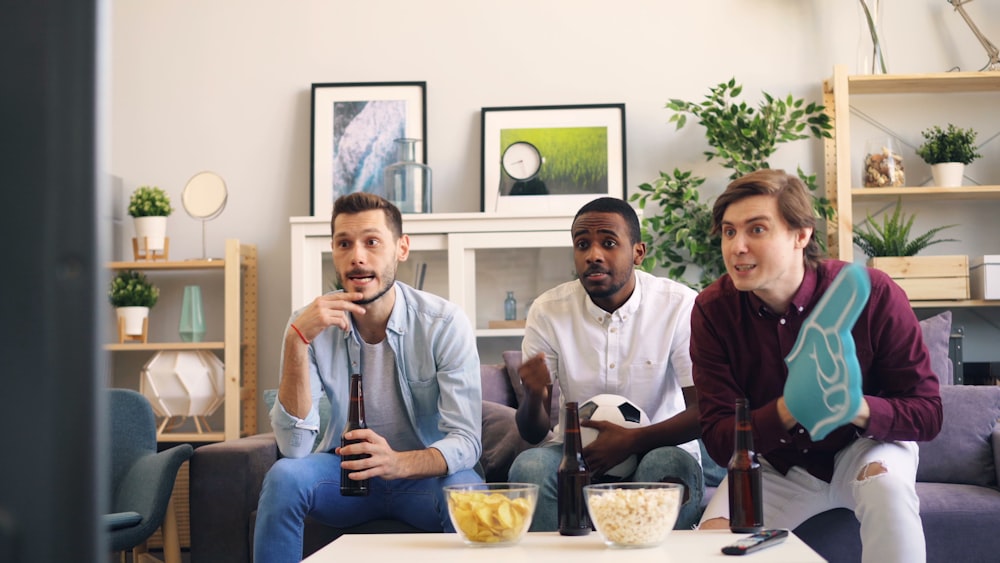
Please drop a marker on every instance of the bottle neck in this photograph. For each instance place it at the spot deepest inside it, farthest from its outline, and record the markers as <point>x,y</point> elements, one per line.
<point>572,441</point>
<point>744,428</point>
<point>406,150</point>
<point>356,408</point>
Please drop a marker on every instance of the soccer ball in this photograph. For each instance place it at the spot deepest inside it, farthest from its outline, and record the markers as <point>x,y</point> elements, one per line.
<point>618,410</point>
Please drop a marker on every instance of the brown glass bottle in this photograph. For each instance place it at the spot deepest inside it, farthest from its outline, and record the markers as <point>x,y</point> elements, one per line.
<point>573,474</point>
<point>746,513</point>
<point>355,421</point>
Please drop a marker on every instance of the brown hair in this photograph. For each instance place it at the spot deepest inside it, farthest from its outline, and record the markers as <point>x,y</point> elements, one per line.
<point>794,204</point>
<point>357,202</point>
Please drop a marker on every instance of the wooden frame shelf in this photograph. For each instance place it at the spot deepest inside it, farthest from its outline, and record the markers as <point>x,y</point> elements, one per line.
<point>239,346</point>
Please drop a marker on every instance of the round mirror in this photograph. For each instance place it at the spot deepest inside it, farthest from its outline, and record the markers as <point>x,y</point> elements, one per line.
<point>204,196</point>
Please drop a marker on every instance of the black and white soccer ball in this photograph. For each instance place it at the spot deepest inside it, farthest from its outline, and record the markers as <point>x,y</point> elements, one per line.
<point>618,410</point>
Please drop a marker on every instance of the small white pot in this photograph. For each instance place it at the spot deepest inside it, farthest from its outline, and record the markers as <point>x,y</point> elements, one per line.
<point>133,317</point>
<point>150,232</point>
<point>948,174</point>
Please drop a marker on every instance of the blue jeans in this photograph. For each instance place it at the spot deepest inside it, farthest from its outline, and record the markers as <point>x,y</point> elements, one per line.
<point>310,486</point>
<point>671,464</point>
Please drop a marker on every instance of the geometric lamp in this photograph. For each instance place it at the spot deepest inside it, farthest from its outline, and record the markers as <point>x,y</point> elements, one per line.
<point>184,383</point>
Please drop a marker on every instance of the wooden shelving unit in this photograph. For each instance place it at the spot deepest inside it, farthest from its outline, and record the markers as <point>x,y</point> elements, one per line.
<point>239,347</point>
<point>837,94</point>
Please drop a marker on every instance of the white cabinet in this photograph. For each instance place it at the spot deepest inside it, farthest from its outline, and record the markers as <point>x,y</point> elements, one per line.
<point>843,180</point>
<point>472,259</point>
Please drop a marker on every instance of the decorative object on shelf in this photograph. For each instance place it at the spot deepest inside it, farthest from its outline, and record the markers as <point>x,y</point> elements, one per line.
<point>948,151</point>
<point>132,295</point>
<point>181,384</point>
<point>992,53</point>
<point>354,128</point>
<point>891,250</point>
<point>150,206</point>
<point>677,226</point>
<point>551,160</point>
<point>871,45</point>
<point>192,325</point>
<point>510,307</point>
<point>883,164</point>
<point>204,197</point>
<point>408,182</point>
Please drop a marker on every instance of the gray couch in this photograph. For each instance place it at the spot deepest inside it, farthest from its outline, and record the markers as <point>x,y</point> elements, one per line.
<point>958,482</point>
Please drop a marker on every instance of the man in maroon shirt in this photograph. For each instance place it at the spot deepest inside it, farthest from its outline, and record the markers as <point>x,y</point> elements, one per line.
<point>746,323</point>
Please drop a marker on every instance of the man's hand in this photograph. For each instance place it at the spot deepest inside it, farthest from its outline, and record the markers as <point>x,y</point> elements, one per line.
<point>326,311</point>
<point>611,447</point>
<point>535,376</point>
<point>384,462</point>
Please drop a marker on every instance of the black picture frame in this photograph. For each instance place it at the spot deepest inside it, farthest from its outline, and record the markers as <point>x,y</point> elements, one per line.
<point>583,152</point>
<point>344,117</point>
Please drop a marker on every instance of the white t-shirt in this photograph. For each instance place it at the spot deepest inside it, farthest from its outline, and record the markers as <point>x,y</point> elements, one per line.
<point>641,351</point>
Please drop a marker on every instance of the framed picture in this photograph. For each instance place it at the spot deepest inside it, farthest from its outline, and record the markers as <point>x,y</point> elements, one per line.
<point>354,129</point>
<point>550,160</point>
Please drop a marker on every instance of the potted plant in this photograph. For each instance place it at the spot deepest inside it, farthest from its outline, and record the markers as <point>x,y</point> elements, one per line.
<point>948,151</point>
<point>149,208</point>
<point>132,295</point>
<point>890,249</point>
<point>677,225</point>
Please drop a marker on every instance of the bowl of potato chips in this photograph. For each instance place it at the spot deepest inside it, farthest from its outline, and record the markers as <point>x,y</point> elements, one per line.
<point>491,513</point>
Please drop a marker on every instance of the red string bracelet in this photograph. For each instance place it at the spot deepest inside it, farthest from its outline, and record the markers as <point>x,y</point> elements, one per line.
<point>299,332</point>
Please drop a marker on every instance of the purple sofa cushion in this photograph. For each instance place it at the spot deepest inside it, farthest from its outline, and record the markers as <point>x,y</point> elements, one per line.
<point>963,453</point>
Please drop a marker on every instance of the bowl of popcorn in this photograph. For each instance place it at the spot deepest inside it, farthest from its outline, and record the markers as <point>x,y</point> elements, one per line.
<point>491,514</point>
<point>633,514</point>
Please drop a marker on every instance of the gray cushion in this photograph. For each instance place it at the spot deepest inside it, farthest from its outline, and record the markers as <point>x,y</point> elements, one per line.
<point>496,384</point>
<point>962,453</point>
<point>937,334</point>
<point>501,441</point>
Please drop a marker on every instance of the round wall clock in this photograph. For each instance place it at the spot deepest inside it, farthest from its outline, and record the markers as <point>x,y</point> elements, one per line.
<point>521,161</point>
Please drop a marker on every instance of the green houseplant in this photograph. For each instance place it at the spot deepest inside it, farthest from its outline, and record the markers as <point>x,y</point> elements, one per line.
<point>149,208</point>
<point>892,236</point>
<point>677,224</point>
<point>132,295</point>
<point>948,151</point>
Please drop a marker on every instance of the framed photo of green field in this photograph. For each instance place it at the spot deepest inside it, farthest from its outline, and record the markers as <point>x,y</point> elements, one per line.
<point>551,160</point>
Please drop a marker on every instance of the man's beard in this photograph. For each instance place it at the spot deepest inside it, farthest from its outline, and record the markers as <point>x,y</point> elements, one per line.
<point>388,275</point>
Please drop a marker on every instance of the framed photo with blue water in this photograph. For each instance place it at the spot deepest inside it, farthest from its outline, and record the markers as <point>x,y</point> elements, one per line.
<point>355,126</point>
<point>551,160</point>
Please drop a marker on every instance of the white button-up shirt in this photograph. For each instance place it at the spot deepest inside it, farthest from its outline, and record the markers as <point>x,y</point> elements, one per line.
<point>640,351</point>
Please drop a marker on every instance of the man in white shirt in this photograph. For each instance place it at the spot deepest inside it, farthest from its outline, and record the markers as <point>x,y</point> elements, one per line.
<point>614,330</point>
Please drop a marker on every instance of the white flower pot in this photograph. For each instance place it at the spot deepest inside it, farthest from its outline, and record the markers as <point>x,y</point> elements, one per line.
<point>150,232</point>
<point>948,174</point>
<point>133,318</point>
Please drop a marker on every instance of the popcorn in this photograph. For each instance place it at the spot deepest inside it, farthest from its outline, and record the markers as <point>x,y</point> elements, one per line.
<point>634,517</point>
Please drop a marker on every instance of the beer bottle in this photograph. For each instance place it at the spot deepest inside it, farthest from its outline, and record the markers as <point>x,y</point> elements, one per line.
<point>355,421</point>
<point>746,513</point>
<point>573,474</point>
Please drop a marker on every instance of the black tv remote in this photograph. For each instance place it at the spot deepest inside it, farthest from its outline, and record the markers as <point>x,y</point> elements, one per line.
<point>756,542</point>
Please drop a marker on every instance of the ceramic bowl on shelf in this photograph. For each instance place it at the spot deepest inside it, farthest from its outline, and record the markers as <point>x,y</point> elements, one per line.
<point>491,514</point>
<point>633,514</point>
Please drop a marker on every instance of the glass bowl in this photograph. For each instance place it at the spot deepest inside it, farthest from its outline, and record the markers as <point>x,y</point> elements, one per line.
<point>633,514</point>
<point>491,514</point>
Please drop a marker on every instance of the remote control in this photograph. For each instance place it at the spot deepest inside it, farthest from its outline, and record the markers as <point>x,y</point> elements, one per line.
<point>755,542</point>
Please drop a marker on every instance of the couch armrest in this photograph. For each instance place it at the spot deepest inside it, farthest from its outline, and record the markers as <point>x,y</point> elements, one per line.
<point>226,479</point>
<point>995,441</point>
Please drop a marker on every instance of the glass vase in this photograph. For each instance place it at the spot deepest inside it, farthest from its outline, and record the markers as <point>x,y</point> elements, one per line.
<point>192,325</point>
<point>408,182</point>
<point>871,40</point>
<point>510,307</point>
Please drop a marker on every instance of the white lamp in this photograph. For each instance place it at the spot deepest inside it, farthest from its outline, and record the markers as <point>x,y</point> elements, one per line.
<point>184,383</point>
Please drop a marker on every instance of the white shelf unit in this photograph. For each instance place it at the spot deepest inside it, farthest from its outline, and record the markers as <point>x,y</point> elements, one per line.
<point>239,344</point>
<point>841,180</point>
<point>461,238</point>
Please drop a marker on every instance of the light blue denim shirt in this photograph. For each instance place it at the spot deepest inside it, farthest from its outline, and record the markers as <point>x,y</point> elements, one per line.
<point>437,365</point>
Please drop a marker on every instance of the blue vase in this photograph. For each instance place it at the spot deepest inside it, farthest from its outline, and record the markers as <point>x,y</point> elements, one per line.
<point>192,326</point>
<point>408,182</point>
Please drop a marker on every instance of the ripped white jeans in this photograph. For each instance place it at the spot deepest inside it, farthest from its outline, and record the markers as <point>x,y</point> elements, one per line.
<point>885,504</point>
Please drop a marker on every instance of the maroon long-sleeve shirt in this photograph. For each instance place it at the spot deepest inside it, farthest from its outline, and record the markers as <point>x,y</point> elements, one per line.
<point>738,349</point>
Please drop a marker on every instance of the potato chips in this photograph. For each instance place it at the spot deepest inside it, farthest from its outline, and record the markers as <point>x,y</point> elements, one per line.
<point>485,517</point>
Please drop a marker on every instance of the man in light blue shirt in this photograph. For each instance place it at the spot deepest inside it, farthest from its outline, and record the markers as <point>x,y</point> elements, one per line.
<point>423,397</point>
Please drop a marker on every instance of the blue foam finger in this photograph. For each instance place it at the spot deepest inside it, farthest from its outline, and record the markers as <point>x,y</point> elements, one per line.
<point>823,390</point>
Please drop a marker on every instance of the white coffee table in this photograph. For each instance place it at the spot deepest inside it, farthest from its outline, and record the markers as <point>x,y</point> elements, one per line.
<point>687,546</point>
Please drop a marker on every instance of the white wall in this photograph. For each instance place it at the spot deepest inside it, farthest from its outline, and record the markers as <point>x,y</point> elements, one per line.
<point>224,85</point>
